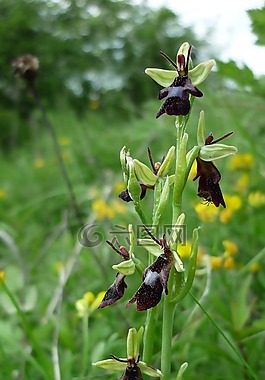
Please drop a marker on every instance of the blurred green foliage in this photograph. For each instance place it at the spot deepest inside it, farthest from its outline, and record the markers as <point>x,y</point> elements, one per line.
<point>88,45</point>
<point>89,51</point>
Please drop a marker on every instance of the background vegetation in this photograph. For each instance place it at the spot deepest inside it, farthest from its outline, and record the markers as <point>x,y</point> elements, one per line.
<point>92,59</point>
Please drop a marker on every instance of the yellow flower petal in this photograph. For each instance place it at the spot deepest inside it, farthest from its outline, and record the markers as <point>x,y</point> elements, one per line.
<point>231,248</point>
<point>216,262</point>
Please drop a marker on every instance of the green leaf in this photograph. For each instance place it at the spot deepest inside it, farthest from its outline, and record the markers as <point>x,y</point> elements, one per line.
<point>239,307</point>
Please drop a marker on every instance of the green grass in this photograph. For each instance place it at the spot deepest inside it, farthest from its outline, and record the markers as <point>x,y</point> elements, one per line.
<point>39,235</point>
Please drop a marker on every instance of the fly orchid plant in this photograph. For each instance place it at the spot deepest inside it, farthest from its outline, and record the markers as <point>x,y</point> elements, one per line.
<point>165,281</point>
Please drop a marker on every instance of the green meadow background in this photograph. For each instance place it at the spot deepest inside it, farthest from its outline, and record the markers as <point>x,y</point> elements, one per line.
<point>98,99</point>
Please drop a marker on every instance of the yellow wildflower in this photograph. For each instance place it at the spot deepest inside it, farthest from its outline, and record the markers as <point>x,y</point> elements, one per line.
<point>88,303</point>
<point>233,203</point>
<point>242,183</point>
<point>231,248</point>
<point>118,207</point>
<point>216,262</point>
<point>102,210</point>
<point>206,213</point>
<point>230,263</point>
<point>2,275</point>
<point>256,199</point>
<point>184,250</point>
<point>64,141</point>
<point>39,163</point>
<point>243,161</point>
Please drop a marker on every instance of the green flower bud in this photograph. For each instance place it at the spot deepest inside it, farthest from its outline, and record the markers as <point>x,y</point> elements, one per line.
<point>216,151</point>
<point>133,342</point>
<point>182,369</point>
<point>163,200</point>
<point>200,130</point>
<point>126,267</point>
<point>144,174</point>
<point>166,164</point>
<point>199,73</point>
<point>134,187</point>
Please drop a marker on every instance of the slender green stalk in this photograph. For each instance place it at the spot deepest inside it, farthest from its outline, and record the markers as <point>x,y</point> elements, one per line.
<point>149,333</point>
<point>40,361</point>
<point>167,331</point>
<point>85,349</point>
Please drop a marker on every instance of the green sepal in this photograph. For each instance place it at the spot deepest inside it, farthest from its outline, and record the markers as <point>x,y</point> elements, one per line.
<point>216,151</point>
<point>133,185</point>
<point>166,164</point>
<point>200,130</point>
<point>134,338</point>
<point>162,77</point>
<point>200,72</point>
<point>150,246</point>
<point>126,267</point>
<point>144,174</point>
<point>123,161</point>
<point>148,370</point>
<point>111,364</point>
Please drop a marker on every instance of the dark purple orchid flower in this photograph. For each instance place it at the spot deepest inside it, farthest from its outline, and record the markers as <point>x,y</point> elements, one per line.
<point>176,96</point>
<point>117,288</point>
<point>209,177</point>
<point>132,371</point>
<point>155,279</point>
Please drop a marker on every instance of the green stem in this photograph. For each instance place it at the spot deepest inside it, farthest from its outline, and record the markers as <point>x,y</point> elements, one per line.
<point>140,212</point>
<point>167,331</point>
<point>40,361</point>
<point>149,332</point>
<point>85,359</point>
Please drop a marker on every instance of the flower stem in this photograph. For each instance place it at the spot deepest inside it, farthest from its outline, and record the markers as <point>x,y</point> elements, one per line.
<point>85,359</point>
<point>149,332</point>
<point>167,331</point>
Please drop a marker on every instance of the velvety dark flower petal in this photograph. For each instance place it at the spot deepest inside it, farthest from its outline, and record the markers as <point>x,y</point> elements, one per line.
<point>209,178</point>
<point>155,280</point>
<point>176,95</point>
<point>132,373</point>
<point>114,292</point>
<point>125,195</point>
